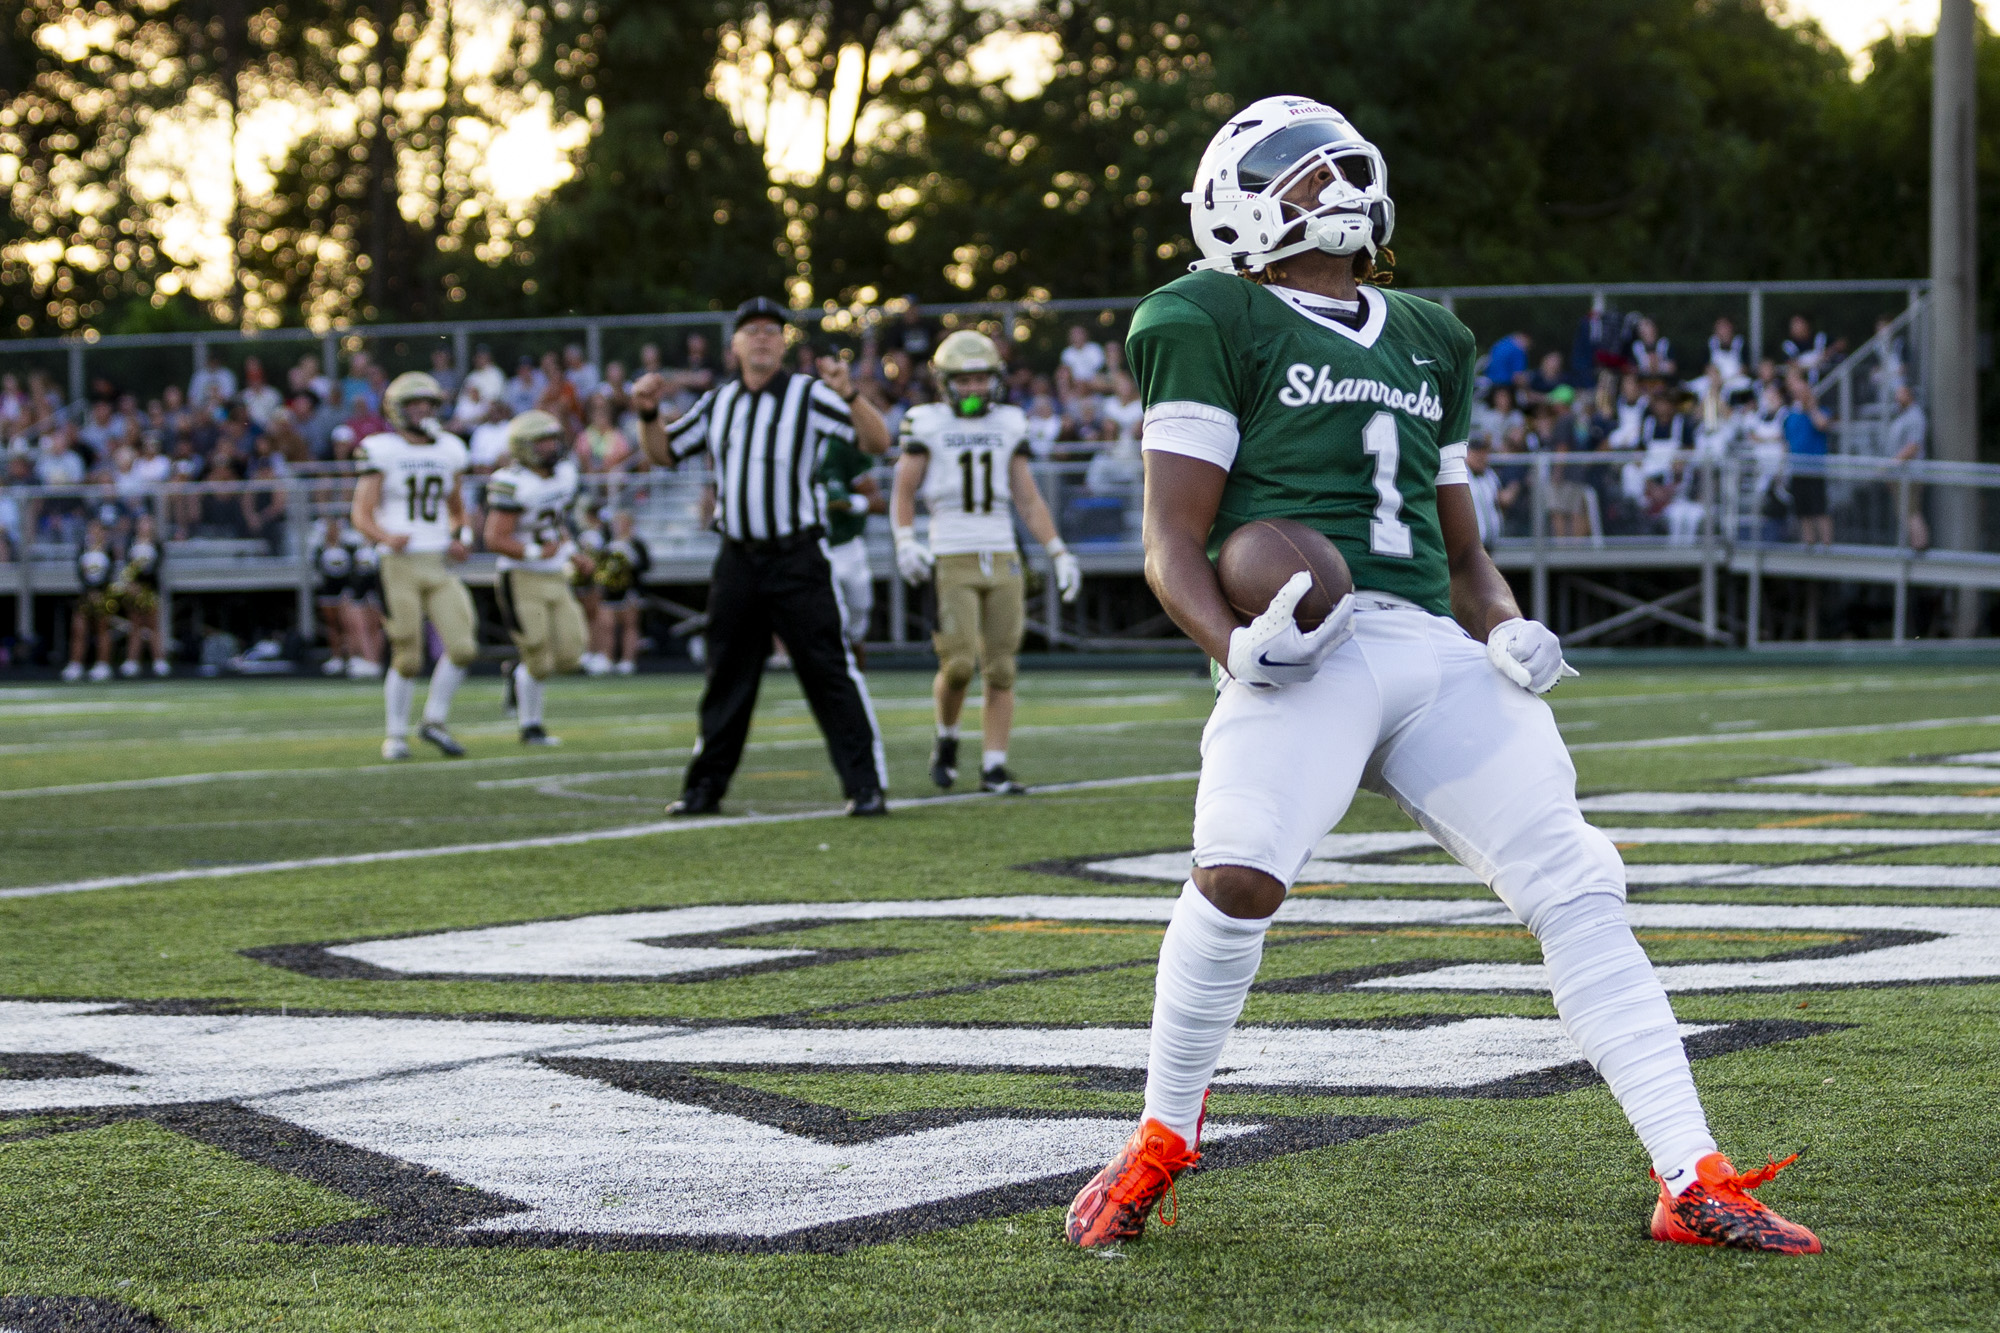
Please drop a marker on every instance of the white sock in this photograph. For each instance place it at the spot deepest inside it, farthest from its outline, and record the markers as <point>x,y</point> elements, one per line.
<point>991,759</point>
<point>1615,1009</point>
<point>527,697</point>
<point>398,691</point>
<point>445,680</point>
<point>949,732</point>
<point>1207,963</point>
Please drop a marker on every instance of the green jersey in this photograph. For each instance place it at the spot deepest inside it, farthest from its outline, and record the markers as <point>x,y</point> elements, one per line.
<point>839,468</point>
<point>1338,427</point>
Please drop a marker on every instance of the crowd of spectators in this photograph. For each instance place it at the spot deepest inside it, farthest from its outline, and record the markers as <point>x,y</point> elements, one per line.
<point>1639,410</point>
<point>1636,423</point>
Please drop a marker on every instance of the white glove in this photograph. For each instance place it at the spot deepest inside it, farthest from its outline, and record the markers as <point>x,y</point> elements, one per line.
<point>1272,650</point>
<point>913,558</point>
<point>1069,574</point>
<point>1528,653</point>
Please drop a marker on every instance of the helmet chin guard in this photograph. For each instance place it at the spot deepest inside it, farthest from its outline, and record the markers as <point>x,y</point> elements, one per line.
<point>1240,217</point>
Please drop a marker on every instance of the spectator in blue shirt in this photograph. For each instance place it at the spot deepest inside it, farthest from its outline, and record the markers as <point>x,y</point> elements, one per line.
<point>1806,437</point>
<point>1507,363</point>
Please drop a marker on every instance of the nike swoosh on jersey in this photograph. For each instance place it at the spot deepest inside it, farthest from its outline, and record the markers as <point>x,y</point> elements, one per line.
<point>1420,361</point>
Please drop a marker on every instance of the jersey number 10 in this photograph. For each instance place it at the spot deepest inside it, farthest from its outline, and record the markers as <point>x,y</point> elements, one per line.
<point>425,496</point>
<point>983,505</point>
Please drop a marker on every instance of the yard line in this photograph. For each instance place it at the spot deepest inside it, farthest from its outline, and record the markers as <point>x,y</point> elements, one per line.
<point>1874,684</point>
<point>1692,802</point>
<point>551,840</point>
<point>1798,734</point>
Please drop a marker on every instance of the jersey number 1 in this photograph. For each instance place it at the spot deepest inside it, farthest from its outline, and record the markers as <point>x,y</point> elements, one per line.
<point>984,506</point>
<point>1387,534</point>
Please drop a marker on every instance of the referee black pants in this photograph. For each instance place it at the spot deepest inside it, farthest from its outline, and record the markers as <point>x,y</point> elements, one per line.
<point>786,588</point>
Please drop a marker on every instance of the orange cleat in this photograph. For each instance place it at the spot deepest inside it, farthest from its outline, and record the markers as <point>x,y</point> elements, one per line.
<point>1718,1210</point>
<point>1114,1205</point>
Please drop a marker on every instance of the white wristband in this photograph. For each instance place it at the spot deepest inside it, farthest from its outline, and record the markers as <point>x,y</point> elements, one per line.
<point>1054,546</point>
<point>465,534</point>
<point>902,535</point>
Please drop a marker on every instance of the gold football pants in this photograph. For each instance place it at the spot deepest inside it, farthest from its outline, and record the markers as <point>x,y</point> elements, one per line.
<point>544,619</point>
<point>979,605</point>
<point>417,587</point>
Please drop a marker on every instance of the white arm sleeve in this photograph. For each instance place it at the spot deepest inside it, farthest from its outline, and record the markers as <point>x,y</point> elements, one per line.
<point>1195,430</point>
<point>1451,466</point>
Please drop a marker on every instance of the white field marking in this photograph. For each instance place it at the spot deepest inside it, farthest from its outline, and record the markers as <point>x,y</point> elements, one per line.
<point>1795,734</point>
<point>1978,757</point>
<point>1340,846</point>
<point>608,945</point>
<point>1173,867</point>
<point>552,840</point>
<point>473,1100</point>
<point>1884,775</point>
<point>1871,684</point>
<point>1693,802</point>
<point>67,707</point>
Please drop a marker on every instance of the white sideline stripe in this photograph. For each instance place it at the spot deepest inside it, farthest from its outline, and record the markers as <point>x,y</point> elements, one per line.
<point>1345,846</point>
<point>552,840</point>
<point>1693,802</point>
<point>1172,867</point>
<point>1885,775</point>
<point>1797,734</point>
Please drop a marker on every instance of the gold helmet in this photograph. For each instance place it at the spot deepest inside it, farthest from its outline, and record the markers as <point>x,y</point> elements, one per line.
<point>527,433</point>
<point>967,352</point>
<point>408,387</point>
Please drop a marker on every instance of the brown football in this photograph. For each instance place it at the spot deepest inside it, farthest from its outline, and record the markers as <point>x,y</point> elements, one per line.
<point>1261,556</point>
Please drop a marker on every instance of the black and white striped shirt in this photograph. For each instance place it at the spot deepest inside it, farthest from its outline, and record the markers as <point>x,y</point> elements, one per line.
<point>766,445</point>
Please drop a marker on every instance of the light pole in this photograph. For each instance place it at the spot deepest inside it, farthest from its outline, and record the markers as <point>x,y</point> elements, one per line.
<point>1954,340</point>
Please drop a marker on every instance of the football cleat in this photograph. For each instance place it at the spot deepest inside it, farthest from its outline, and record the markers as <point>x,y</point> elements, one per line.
<point>868,805</point>
<point>1113,1207</point>
<point>437,735</point>
<point>997,778</point>
<point>944,761</point>
<point>532,734</point>
<point>1718,1210</point>
<point>394,748</point>
<point>696,801</point>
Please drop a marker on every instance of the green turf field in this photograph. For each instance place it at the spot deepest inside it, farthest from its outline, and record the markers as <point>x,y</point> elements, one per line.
<point>469,1068</point>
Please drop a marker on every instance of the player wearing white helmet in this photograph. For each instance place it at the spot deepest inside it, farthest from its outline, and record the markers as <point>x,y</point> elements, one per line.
<point>968,457</point>
<point>528,505</point>
<point>1278,385</point>
<point>408,503</point>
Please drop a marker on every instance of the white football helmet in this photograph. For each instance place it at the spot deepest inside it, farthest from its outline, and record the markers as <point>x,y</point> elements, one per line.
<point>1240,219</point>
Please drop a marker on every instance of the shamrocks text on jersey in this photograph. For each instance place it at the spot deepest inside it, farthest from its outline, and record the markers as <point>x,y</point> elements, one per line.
<point>543,504</point>
<point>1337,427</point>
<point>968,484</point>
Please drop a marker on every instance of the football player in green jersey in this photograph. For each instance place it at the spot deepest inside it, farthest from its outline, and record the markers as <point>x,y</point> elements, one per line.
<point>851,496</point>
<point>1279,383</point>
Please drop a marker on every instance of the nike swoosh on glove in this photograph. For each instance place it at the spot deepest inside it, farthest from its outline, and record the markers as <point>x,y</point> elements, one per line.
<point>913,559</point>
<point>1528,653</point>
<point>1272,650</point>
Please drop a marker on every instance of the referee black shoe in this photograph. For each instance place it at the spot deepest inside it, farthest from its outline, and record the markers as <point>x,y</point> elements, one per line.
<point>696,801</point>
<point>532,734</point>
<point>435,733</point>
<point>944,761</point>
<point>998,779</point>
<point>868,805</point>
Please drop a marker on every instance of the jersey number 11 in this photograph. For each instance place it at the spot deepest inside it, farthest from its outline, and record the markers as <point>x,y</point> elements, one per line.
<point>983,506</point>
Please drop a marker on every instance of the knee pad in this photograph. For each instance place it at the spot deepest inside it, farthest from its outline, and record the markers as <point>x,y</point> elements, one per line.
<point>541,661</point>
<point>1546,867</point>
<point>406,655</point>
<point>1000,671</point>
<point>957,671</point>
<point>462,654</point>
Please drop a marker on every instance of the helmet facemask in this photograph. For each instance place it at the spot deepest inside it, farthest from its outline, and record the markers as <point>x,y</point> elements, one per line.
<point>970,394</point>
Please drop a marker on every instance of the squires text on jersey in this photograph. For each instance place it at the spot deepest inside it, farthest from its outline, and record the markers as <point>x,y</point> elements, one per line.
<point>1306,384</point>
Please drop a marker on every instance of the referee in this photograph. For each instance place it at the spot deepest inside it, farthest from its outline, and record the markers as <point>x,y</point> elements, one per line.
<point>766,429</point>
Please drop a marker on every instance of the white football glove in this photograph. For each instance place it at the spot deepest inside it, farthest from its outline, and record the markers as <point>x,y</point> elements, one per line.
<point>1069,574</point>
<point>1528,653</point>
<point>913,558</point>
<point>1272,650</point>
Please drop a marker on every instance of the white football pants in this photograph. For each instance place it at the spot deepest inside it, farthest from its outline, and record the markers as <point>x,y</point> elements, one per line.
<point>853,585</point>
<point>1410,707</point>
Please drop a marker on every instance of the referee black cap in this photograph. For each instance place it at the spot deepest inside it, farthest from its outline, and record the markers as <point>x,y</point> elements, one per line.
<point>762,307</point>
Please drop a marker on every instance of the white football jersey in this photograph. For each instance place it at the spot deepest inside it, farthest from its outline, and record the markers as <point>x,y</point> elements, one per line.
<point>544,504</point>
<point>967,485</point>
<point>416,479</point>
